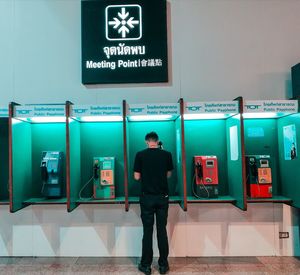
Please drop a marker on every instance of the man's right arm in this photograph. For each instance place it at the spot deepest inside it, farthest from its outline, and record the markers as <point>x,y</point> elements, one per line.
<point>137,167</point>
<point>170,166</point>
<point>169,174</point>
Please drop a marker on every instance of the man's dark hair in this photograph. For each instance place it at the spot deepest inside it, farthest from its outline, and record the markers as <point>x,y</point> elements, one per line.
<point>151,136</point>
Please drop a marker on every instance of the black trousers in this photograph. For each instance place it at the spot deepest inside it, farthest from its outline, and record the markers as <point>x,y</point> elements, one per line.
<point>154,205</point>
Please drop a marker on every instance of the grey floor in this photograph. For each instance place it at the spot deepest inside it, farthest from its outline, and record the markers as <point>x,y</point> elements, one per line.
<point>202,265</point>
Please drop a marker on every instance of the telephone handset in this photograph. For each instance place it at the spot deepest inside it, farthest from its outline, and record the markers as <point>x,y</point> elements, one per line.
<point>96,170</point>
<point>44,172</point>
<point>253,167</point>
<point>160,145</point>
<point>199,169</point>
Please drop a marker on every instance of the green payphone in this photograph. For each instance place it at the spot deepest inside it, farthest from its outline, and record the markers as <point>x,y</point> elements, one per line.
<point>104,179</point>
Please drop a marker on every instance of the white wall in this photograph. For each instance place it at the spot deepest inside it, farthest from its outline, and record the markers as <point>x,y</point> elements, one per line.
<point>220,49</point>
<point>205,230</point>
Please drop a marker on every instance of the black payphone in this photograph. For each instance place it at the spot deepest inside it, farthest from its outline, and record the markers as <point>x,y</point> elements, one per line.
<point>52,173</point>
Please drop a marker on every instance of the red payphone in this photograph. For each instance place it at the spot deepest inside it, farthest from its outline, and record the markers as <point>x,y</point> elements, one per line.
<point>259,176</point>
<point>206,177</point>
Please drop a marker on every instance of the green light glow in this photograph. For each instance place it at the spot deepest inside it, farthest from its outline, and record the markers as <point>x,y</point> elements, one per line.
<point>206,116</point>
<point>264,115</point>
<point>99,118</point>
<point>54,119</point>
<point>151,117</point>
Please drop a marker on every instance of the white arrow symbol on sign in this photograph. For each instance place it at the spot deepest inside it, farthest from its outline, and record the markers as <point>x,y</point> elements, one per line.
<point>123,29</point>
<point>132,22</point>
<point>123,14</point>
<point>116,23</point>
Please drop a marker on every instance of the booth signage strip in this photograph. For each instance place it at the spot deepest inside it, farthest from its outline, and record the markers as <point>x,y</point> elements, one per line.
<point>274,106</point>
<point>96,110</point>
<point>224,107</point>
<point>154,109</point>
<point>282,106</point>
<point>40,111</point>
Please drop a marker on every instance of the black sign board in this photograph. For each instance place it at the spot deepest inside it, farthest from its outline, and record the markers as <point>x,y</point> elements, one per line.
<point>124,41</point>
<point>296,80</point>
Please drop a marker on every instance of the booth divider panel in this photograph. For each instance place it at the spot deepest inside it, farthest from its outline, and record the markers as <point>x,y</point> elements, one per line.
<point>167,134</point>
<point>289,168</point>
<point>75,162</point>
<point>261,138</point>
<point>178,162</point>
<point>102,139</point>
<point>235,160</point>
<point>4,196</point>
<point>206,137</point>
<point>22,164</point>
<point>46,137</point>
<point>126,150</point>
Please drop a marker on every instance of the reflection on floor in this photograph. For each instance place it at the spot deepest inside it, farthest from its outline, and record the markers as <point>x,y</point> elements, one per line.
<point>202,265</point>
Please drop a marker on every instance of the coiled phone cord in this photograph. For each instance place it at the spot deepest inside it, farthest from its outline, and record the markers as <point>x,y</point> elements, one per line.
<point>83,187</point>
<point>193,189</point>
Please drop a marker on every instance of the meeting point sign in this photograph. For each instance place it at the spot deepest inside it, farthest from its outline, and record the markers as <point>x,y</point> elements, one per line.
<point>124,41</point>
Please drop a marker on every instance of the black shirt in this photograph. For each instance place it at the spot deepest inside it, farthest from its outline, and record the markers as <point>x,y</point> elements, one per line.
<point>153,164</point>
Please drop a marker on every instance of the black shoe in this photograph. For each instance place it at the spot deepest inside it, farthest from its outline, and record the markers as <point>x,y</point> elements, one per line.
<point>163,269</point>
<point>145,269</point>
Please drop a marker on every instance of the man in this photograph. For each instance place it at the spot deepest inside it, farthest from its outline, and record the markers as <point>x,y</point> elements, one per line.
<point>152,167</point>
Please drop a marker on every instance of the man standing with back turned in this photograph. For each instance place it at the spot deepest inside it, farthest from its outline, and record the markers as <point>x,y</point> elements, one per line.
<point>152,167</point>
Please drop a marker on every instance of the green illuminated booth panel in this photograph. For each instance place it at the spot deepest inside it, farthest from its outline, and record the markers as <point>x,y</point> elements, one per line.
<point>214,153</point>
<point>271,149</point>
<point>4,188</point>
<point>38,155</point>
<point>96,149</point>
<point>165,120</point>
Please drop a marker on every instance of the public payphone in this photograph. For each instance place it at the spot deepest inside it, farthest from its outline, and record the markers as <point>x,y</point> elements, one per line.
<point>206,176</point>
<point>259,176</point>
<point>104,181</point>
<point>52,173</point>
